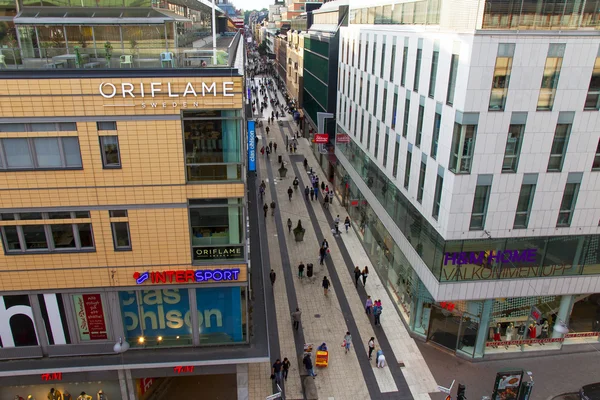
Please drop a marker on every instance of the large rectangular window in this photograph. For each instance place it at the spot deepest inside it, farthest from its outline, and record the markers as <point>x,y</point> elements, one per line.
<point>437,197</point>
<point>366,54</point>
<point>418,69</point>
<point>48,235</point>
<point>463,145</point>
<point>382,60</point>
<point>369,134</point>
<point>551,75</point>
<point>368,94</point>
<point>375,100</point>
<point>512,150</point>
<point>394,109</point>
<point>421,187</point>
<point>501,76</point>
<point>524,205</point>
<point>111,156</point>
<point>437,125</point>
<point>404,61</point>
<point>420,117</point>
<point>376,151</point>
<point>406,115</point>
<point>385,148</point>
<point>393,62</point>
<point>567,205</point>
<point>362,126</point>
<point>384,106</point>
<point>452,79</point>
<point>592,100</point>
<point>374,56</point>
<point>396,156</point>
<point>559,147</point>
<point>217,229</point>
<point>40,153</point>
<point>480,204</point>
<point>212,145</point>
<point>407,169</point>
<point>119,224</point>
<point>38,127</point>
<point>433,74</point>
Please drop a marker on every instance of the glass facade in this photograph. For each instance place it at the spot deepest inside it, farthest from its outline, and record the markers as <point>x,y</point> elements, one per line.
<point>409,13</point>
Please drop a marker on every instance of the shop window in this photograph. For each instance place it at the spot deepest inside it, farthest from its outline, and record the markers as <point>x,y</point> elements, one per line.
<point>18,322</point>
<point>48,236</point>
<point>550,77</point>
<point>217,230</point>
<point>480,203</point>
<point>157,317</point>
<point>54,315</point>
<point>584,321</point>
<point>111,157</point>
<point>222,315</point>
<point>92,318</point>
<point>106,125</point>
<point>40,153</point>
<point>39,127</point>
<point>120,230</point>
<point>501,77</point>
<point>559,147</point>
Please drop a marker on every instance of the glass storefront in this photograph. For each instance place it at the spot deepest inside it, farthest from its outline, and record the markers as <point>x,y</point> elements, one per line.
<point>65,389</point>
<point>584,321</point>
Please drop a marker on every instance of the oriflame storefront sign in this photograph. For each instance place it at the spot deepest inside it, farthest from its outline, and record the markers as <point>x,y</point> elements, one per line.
<point>187,276</point>
<point>212,253</point>
<point>251,146</point>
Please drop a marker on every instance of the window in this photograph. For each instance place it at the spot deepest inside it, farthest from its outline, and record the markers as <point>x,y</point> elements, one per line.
<point>106,125</point>
<point>366,54</point>
<point>376,152</point>
<point>437,197</point>
<point>48,235</point>
<point>407,169</point>
<point>359,52</point>
<point>513,148</point>
<point>418,69</point>
<point>360,91</point>
<point>463,144</point>
<point>480,203</point>
<point>392,65</point>
<point>406,115</point>
<point>384,106</point>
<point>368,94</point>
<point>550,77</point>
<point>362,126</point>
<point>374,55</point>
<point>375,99</point>
<point>354,90</point>
<point>559,147</point>
<point>437,122</point>
<point>404,61</point>
<point>396,156</point>
<point>369,135</point>
<point>385,148</point>
<point>501,77</point>
<point>355,120</point>
<point>111,157</point>
<point>433,75</point>
<point>382,60</point>
<point>592,100</point>
<point>452,79</point>
<point>120,230</point>
<point>40,153</point>
<point>217,223</point>
<point>524,206</point>
<point>567,205</point>
<point>394,110</point>
<point>39,127</point>
<point>420,125</point>
<point>596,163</point>
<point>421,187</point>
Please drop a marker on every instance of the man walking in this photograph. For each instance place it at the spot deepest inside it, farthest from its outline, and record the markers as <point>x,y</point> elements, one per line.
<point>322,254</point>
<point>301,270</point>
<point>357,275</point>
<point>306,192</point>
<point>312,193</point>
<point>377,313</point>
<point>290,192</point>
<point>272,276</point>
<point>265,209</point>
<point>273,205</point>
<point>309,366</point>
<point>325,285</point>
<point>371,345</point>
<point>347,341</point>
<point>296,317</point>
<point>276,371</point>
<point>336,221</point>
<point>289,225</point>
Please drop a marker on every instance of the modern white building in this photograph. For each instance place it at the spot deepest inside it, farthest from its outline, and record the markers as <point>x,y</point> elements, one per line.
<point>468,157</point>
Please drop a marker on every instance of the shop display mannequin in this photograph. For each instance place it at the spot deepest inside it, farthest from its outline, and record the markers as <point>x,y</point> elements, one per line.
<point>101,395</point>
<point>509,332</point>
<point>67,396</point>
<point>497,331</point>
<point>521,331</point>
<point>531,331</point>
<point>84,396</point>
<point>55,395</point>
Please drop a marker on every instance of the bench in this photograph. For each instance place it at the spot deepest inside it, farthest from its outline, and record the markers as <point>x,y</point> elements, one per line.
<point>56,64</point>
<point>93,64</point>
<point>310,389</point>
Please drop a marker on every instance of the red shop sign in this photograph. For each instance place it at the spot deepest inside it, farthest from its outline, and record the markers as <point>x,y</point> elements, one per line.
<point>52,376</point>
<point>522,342</point>
<point>342,138</point>
<point>582,334</point>
<point>182,369</point>
<point>321,138</point>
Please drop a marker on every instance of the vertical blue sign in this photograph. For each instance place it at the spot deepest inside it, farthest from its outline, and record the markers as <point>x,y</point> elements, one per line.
<point>251,146</point>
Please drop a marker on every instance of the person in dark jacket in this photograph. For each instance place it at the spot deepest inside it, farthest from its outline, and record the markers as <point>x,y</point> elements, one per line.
<point>357,274</point>
<point>309,366</point>
<point>272,276</point>
<point>326,284</point>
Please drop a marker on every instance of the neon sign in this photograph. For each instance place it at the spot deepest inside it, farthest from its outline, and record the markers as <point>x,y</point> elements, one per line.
<point>53,376</point>
<point>189,275</point>
<point>183,369</point>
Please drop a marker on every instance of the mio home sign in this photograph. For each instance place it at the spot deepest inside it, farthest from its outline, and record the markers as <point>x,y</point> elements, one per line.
<point>186,276</point>
<point>526,256</point>
<point>211,253</point>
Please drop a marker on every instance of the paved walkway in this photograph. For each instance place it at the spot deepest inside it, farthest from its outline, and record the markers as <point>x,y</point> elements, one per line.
<point>327,318</point>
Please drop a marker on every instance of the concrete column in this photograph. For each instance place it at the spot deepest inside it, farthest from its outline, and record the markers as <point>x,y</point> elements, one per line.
<point>242,382</point>
<point>418,314</point>
<point>564,311</point>
<point>123,384</point>
<point>484,324</point>
<point>130,385</point>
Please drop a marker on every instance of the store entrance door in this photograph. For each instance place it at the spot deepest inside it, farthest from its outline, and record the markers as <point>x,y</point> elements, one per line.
<point>444,328</point>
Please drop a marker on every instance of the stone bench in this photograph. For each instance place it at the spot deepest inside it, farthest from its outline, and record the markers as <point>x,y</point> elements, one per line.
<point>310,388</point>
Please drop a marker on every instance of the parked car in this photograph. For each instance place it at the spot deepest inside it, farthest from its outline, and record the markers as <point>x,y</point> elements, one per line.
<point>590,392</point>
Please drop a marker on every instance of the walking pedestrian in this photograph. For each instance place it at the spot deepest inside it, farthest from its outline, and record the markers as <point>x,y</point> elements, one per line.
<point>331,196</point>
<point>371,345</point>
<point>295,147</point>
<point>336,221</point>
<point>271,146</point>
<point>377,313</point>
<point>267,129</point>
<point>290,192</point>
<point>286,367</point>
<point>325,201</point>
<point>309,366</point>
<point>325,244</point>
<point>347,341</point>
<point>273,205</point>
<point>306,192</point>
<point>296,317</point>
<point>312,193</point>
<point>325,285</point>
<point>301,270</point>
<point>275,146</point>
<point>347,223</point>
<point>323,187</point>
<point>289,225</point>
<point>322,254</point>
<point>357,274</point>
<point>272,276</point>
<point>265,209</point>
<point>305,162</point>
<point>380,359</point>
<point>368,305</point>
<point>268,151</point>
<point>276,371</point>
<point>365,274</point>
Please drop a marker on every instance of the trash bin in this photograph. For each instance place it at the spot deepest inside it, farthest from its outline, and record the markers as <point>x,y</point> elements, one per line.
<point>309,270</point>
<point>280,159</point>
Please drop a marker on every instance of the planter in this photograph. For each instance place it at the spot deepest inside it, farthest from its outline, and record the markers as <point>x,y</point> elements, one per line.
<point>299,235</point>
<point>282,172</point>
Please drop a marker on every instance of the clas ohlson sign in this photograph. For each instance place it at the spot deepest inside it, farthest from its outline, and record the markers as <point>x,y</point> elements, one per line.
<point>150,92</point>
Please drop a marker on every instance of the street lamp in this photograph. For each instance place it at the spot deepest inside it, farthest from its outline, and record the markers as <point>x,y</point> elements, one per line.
<point>121,347</point>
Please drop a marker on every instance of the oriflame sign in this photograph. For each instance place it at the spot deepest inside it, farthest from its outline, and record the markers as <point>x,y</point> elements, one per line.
<point>321,138</point>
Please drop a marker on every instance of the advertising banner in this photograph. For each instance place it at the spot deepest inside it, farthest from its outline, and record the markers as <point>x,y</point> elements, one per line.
<point>321,138</point>
<point>205,253</point>
<point>507,385</point>
<point>251,146</point>
<point>220,314</point>
<point>90,316</point>
<point>342,138</point>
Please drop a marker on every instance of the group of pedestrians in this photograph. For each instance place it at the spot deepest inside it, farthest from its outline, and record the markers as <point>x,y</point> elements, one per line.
<point>358,274</point>
<point>279,370</point>
<point>375,308</point>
